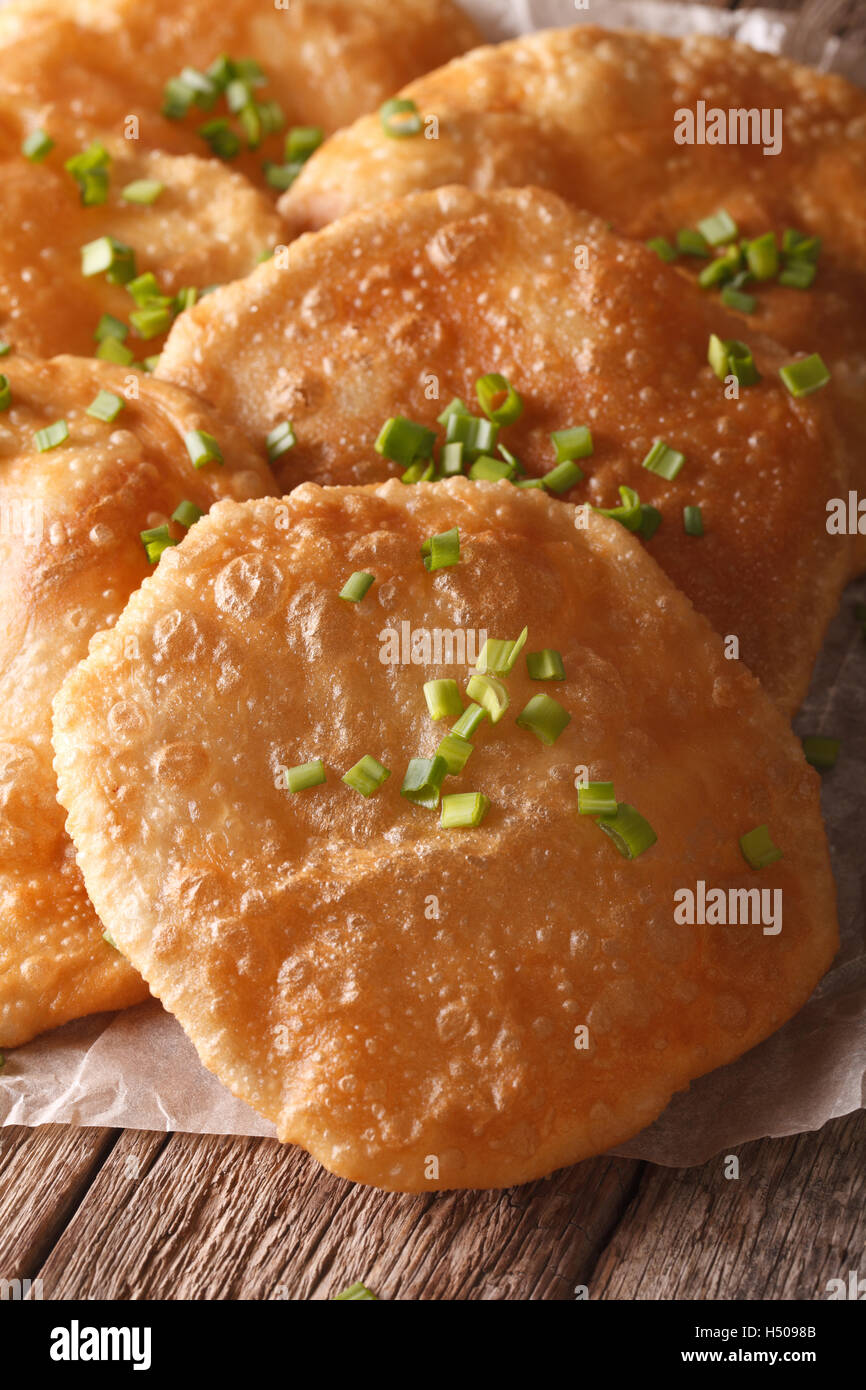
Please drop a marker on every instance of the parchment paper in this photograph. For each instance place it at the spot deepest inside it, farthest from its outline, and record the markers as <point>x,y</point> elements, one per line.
<point>137,1070</point>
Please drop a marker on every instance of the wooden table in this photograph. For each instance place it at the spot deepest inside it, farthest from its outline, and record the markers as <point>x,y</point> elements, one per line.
<point>102,1213</point>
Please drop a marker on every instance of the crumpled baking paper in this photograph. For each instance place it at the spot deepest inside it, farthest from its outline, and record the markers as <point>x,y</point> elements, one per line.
<point>137,1069</point>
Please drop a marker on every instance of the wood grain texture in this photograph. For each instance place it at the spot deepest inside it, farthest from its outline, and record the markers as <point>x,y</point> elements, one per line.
<point>794,1218</point>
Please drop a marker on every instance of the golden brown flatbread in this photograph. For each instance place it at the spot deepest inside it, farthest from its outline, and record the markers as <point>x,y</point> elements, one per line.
<point>206,227</point>
<point>395,305</point>
<point>591,115</point>
<point>421,1007</point>
<point>71,555</point>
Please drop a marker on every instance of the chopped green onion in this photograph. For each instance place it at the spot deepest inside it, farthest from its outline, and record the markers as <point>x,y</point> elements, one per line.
<point>758,848</point>
<point>718,229</point>
<point>597,799</point>
<point>5,349</point>
<point>105,406</point>
<point>187,514</point>
<point>513,461</point>
<point>544,717</point>
<point>367,776</point>
<point>443,699</point>
<point>112,350</point>
<point>440,552</point>
<point>456,407</point>
<point>150,364</point>
<point>305,776</point>
<point>490,470</point>
<point>463,811</point>
<point>302,141</point>
<point>423,781</point>
<point>220,138</point>
<point>469,721</point>
<point>537,483</point>
<point>202,448</point>
<point>403,441</point>
<point>662,248</point>
<point>143,288</point>
<point>110,327</point>
<point>156,541</point>
<point>476,435</point>
<point>650,521</point>
<point>419,472</point>
<point>730,357</point>
<point>490,694</point>
<point>545,666</point>
<point>499,656</point>
<point>280,176</point>
<point>822,753</point>
<point>202,86</point>
<point>185,299</point>
<point>664,461</point>
<point>498,399</point>
<point>798,246</point>
<point>95,156</point>
<point>144,191</point>
<point>238,95</point>
<point>451,460</point>
<point>5,392</point>
<point>628,830</point>
<point>691,243</point>
<point>805,376</point>
<point>562,478</point>
<point>280,440</point>
<point>52,435</point>
<point>762,256</point>
<point>736,299</point>
<point>176,99</point>
<point>723,268</point>
<point>357,586</point>
<point>400,118</point>
<point>456,751</point>
<point>693,521</point>
<point>798,275</point>
<point>629,514</point>
<point>37,146</point>
<point>152,320</point>
<point>573,443</point>
<point>356,1293</point>
<point>110,256</point>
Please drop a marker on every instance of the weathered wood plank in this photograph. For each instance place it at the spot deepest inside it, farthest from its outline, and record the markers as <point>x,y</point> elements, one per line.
<point>222,1218</point>
<point>795,1218</point>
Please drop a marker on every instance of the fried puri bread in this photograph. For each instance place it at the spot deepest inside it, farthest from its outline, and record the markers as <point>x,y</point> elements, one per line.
<point>83,73</point>
<point>422,1006</point>
<point>375,314</point>
<point>206,226</point>
<point>72,554</point>
<point>591,114</point>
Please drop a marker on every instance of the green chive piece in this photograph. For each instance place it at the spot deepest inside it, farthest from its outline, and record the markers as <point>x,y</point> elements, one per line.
<point>110,327</point>
<point>185,299</point>
<point>5,392</point>
<point>573,443</point>
<point>110,256</point>
<point>238,95</point>
<point>490,694</point>
<point>498,399</point>
<point>440,552</point>
<point>692,243</point>
<point>451,460</point>
<point>822,753</point>
<point>5,349</point>
<point>302,141</point>
<point>762,256</point>
<point>693,521</point>
<point>367,776</point>
<point>597,799</point>
<point>280,176</point>
<point>144,191</point>
<point>664,461</point>
<point>544,717</point>
<point>490,470</point>
<point>456,407</point>
<point>562,478</point>
<point>443,699</point>
<point>176,99</point>
<point>758,848</point>
<point>357,586</point>
<point>629,514</point>
<point>628,830</point>
<point>730,357</point>
<point>400,118</point>
<point>204,90</point>
<point>463,811</point>
<point>805,376</point>
<point>202,448</point>
<point>91,160</point>
<point>305,776</point>
<point>722,269</point>
<point>545,665</point>
<point>150,364</point>
<point>280,440</point>
<point>156,542</point>
<point>51,436</point>
<point>423,781</point>
<point>152,320</point>
<point>718,229</point>
<point>456,751</point>
<point>798,275</point>
<point>513,462</point>
<point>736,299</point>
<point>143,288</point>
<point>537,483</point>
<point>798,246</point>
<point>419,472</point>
<point>220,138</point>
<point>650,521</point>
<point>111,349</point>
<point>662,248</point>
<point>37,146</point>
<point>470,720</point>
<point>105,406</point>
<point>498,656</point>
<point>476,435</point>
<point>357,1293</point>
<point>187,514</point>
<point>403,441</point>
